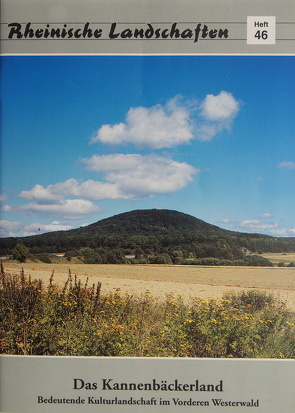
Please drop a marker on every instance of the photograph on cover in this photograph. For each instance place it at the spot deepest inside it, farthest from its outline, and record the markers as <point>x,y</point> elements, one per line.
<point>148,206</point>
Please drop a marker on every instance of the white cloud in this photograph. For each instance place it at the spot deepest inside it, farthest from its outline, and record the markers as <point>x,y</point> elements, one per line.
<point>19,229</point>
<point>222,107</point>
<point>166,126</point>
<point>156,127</point>
<point>125,177</point>
<point>257,225</point>
<point>266,215</point>
<point>218,113</point>
<point>9,228</point>
<point>41,195</point>
<point>284,232</point>
<point>115,162</point>
<point>287,165</point>
<point>56,193</point>
<point>260,224</point>
<point>69,208</point>
<point>138,176</point>
<point>37,228</point>
<point>224,221</point>
<point>96,190</point>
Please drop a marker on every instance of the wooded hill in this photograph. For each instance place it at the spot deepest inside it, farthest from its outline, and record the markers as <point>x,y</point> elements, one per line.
<point>154,236</point>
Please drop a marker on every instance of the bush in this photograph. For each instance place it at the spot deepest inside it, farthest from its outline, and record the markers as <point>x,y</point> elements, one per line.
<point>253,260</point>
<point>251,300</point>
<point>257,261</point>
<point>44,258</point>
<point>160,259</point>
<point>89,260</point>
<point>138,260</point>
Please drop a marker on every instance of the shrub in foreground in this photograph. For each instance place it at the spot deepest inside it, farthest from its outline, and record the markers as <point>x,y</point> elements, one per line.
<point>78,320</point>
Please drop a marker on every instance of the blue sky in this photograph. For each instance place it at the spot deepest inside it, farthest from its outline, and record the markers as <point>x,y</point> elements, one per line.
<point>88,137</point>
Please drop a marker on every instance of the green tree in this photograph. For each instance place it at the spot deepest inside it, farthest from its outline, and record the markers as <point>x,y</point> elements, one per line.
<point>176,256</point>
<point>20,252</point>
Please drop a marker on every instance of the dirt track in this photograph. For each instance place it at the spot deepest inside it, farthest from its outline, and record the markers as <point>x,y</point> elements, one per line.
<point>188,281</point>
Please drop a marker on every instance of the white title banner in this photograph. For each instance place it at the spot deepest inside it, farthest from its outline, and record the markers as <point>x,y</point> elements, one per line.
<point>91,384</point>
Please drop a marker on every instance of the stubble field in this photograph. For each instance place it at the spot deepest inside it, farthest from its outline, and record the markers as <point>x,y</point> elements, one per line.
<point>161,280</point>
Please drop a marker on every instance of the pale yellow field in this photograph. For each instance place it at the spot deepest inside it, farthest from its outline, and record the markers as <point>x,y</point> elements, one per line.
<point>279,257</point>
<point>158,280</point>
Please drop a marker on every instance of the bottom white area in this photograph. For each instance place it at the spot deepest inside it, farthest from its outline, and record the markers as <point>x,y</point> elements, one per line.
<point>94,384</point>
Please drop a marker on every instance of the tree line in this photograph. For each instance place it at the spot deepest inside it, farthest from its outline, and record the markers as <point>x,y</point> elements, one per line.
<point>151,236</point>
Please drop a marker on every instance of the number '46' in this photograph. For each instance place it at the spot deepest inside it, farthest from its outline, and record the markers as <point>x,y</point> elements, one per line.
<point>261,34</point>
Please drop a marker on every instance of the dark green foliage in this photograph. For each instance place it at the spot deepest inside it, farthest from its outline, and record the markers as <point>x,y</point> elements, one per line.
<point>20,252</point>
<point>89,260</point>
<point>160,259</point>
<point>257,261</point>
<point>45,258</point>
<point>246,261</point>
<point>281,264</point>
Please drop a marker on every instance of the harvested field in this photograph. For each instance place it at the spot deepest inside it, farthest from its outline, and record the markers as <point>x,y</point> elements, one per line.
<point>160,280</point>
<point>279,257</point>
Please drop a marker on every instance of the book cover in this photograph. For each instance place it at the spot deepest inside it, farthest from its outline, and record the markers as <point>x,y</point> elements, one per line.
<point>147,206</point>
